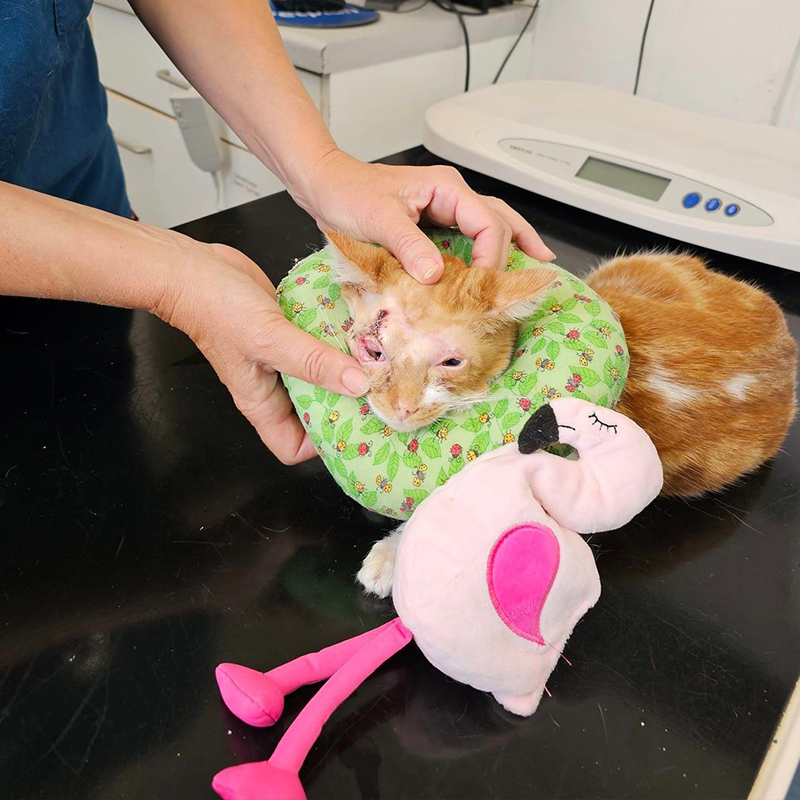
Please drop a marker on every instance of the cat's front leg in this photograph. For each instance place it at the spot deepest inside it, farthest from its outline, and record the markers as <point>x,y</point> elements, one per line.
<point>377,572</point>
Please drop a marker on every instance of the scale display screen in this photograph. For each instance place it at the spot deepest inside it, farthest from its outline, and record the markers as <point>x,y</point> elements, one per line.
<point>625,179</point>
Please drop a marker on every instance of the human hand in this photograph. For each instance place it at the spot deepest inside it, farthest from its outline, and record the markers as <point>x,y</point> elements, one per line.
<point>226,304</point>
<point>383,204</point>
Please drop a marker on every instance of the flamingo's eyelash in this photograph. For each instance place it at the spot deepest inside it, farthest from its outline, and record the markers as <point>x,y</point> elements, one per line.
<point>603,425</point>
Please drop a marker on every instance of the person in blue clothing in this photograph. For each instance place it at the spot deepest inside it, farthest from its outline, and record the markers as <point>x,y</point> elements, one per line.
<point>65,220</point>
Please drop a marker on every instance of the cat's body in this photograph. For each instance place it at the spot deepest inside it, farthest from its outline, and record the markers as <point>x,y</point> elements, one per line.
<point>711,380</point>
<point>713,367</point>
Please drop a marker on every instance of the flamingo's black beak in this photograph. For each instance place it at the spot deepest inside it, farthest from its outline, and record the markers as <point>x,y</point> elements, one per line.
<point>539,431</point>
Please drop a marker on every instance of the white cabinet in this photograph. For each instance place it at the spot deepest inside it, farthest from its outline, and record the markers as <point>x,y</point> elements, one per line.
<point>164,186</point>
<point>133,65</point>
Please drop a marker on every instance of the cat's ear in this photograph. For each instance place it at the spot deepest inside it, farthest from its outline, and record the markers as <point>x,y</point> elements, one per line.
<point>357,264</point>
<point>517,293</point>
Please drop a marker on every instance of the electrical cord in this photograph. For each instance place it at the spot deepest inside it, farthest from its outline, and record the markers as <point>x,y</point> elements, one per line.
<point>641,46</point>
<point>466,47</point>
<point>519,38</point>
<point>450,8</point>
<point>219,185</point>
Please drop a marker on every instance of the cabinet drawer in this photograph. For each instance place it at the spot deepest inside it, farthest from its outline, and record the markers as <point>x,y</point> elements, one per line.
<point>164,186</point>
<point>133,65</point>
<point>246,178</point>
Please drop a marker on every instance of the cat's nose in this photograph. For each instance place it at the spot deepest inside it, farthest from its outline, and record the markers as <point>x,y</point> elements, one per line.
<point>405,410</point>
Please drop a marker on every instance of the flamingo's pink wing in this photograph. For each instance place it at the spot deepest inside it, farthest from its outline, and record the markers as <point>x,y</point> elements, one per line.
<point>520,573</point>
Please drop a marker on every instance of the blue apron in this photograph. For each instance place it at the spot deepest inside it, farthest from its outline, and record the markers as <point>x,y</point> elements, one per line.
<point>54,134</point>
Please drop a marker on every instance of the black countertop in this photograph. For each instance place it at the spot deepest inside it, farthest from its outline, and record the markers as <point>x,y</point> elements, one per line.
<point>148,535</point>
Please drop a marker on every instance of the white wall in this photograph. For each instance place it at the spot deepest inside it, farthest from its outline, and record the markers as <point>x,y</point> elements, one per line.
<point>738,59</point>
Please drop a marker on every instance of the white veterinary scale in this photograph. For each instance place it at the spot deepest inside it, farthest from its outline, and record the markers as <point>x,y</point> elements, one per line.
<point>728,186</point>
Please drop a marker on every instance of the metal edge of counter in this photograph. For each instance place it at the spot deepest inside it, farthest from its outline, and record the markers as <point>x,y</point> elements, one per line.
<point>777,770</point>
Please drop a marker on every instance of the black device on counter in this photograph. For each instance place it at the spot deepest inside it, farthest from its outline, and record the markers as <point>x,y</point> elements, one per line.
<point>484,5</point>
<point>329,14</point>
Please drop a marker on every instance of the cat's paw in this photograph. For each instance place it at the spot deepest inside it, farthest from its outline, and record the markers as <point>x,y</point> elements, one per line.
<point>377,572</point>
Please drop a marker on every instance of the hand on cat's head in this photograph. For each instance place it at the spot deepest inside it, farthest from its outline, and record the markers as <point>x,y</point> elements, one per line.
<point>429,349</point>
<point>383,203</point>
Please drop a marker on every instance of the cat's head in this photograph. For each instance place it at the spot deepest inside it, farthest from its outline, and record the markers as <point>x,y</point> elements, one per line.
<point>430,349</point>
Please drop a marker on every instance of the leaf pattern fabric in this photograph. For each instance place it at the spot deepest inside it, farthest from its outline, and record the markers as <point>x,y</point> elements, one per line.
<point>573,345</point>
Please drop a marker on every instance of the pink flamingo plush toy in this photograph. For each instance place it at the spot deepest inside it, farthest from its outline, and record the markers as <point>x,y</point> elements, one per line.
<point>490,579</point>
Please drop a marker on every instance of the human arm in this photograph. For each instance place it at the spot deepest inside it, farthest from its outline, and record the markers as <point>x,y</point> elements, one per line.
<point>233,54</point>
<point>216,295</point>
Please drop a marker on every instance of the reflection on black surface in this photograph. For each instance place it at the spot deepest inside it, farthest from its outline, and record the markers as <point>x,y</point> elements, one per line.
<point>147,535</point>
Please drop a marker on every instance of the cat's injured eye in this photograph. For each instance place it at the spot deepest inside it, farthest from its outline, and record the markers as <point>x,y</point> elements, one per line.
<point>375,355</point>
<point>452,362</point>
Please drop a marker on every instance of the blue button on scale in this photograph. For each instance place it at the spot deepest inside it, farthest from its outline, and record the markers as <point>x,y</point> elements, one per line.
<point>731,210</point>
<point>691,200</point>
<point>713,204</point>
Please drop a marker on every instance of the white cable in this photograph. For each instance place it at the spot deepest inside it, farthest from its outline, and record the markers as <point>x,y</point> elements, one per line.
<point>219,185</point>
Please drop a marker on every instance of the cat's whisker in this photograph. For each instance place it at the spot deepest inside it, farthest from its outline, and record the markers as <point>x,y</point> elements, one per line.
<point>466,402</point>
<point>338,336</point>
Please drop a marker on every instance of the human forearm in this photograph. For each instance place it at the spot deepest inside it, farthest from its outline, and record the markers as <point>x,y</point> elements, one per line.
<point>233,55</point>
<point>215,294</point>
<point>56,249</point>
